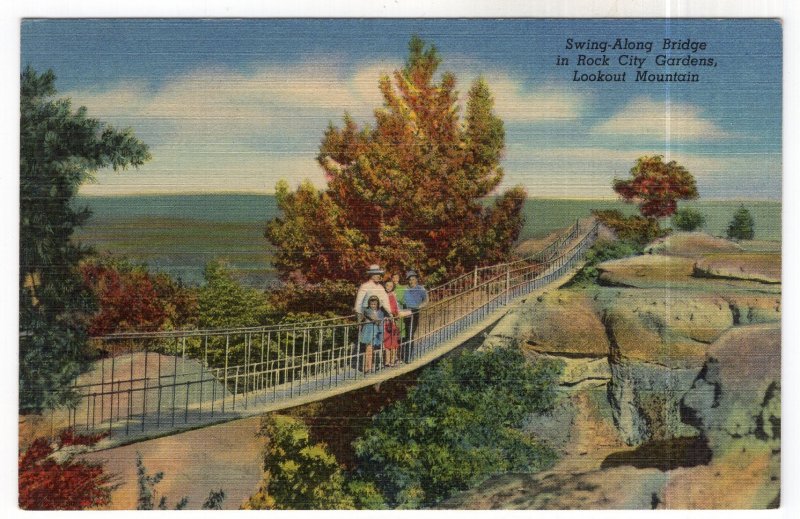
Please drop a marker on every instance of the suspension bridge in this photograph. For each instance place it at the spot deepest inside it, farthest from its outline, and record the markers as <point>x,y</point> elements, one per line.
<point>154,384</point>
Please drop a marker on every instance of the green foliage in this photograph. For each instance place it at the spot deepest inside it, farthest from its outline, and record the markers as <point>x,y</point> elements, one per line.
<point>604,250</point>
<point>409,192</point>
<point>214,500</point>
<point>299,474</point>
<point>657,186</point>
<point>635,229</point>
<point>742,226</point>
<point>146,485</point>
<point>224,303</point>
<point>59,149</point>
<point>299,296</point>
<point>688,219</point>
<point>458,426</point>
<point>366,495</point>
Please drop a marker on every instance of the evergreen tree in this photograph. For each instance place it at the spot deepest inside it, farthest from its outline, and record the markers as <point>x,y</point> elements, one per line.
<point>742,226</point>
<point>59,149</point>
<point>409,192</point>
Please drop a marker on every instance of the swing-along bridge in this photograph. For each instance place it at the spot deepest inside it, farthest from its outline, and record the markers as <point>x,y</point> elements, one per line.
<point>158,383</point>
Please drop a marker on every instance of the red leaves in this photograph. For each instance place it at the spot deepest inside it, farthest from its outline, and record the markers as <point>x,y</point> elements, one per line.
<point>45,484</point>
<point>130,299</point>
<point>657,186</point>
<point>68,437</point>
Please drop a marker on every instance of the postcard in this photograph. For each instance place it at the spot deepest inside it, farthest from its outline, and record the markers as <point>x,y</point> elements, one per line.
<point>400,263</point>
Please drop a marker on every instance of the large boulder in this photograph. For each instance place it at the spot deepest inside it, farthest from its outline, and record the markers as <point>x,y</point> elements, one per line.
<point>669,328</point>
<point>691,244</point>
<point>558,322</point>
<point>737,393</point>
<point>646,271</point>
<point>735,402</point>
<point>750,308</point>
<point>712,273</point>
<point>763,267</point>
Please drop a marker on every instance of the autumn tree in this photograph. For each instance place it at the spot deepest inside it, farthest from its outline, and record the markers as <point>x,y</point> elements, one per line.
<point>657,186</point>
<point>130,298</point>
<point>59,149</point>
<point>410,191</point>
<point>53,478</point>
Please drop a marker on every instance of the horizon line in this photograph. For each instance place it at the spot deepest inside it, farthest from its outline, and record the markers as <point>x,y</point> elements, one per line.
<point>261,193</point>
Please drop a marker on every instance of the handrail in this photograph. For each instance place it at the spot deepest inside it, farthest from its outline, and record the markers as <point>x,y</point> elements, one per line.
<point>182,383</point>
<point>280,327</point>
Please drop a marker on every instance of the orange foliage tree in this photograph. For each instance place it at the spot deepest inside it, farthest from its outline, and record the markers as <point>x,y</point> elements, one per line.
<point>409,192</point>
<point>657,186</point>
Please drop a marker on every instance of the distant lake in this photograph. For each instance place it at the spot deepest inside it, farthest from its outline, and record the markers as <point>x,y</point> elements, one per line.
<point>179,234</point>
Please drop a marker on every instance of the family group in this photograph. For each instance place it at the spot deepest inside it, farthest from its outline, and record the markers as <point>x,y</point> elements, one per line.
<point>388,313</point>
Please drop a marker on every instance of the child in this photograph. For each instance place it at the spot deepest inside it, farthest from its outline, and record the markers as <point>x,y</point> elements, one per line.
<point>371,336</point>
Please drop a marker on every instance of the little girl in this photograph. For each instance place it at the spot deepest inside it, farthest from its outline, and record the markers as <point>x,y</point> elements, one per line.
<point>371,336</point>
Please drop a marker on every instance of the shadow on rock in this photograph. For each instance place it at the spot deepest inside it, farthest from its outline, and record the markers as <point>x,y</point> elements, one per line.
<point>663,455</point>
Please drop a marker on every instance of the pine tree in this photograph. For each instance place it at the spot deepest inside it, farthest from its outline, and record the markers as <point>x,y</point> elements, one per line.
<point>742,226</point>
<point>59,149</point>
<point>409,192</point>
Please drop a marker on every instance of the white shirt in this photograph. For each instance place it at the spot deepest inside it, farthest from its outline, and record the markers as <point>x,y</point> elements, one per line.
<point>368,289</point>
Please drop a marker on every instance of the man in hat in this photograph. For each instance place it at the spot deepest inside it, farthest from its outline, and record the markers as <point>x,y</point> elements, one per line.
<point>373,287</point>
<point>414,298</point>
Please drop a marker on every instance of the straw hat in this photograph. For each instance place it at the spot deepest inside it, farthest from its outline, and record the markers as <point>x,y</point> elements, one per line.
<point>411,274</point>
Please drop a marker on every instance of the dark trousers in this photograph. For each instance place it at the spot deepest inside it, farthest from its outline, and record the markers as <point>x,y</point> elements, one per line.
<point>411,323</point>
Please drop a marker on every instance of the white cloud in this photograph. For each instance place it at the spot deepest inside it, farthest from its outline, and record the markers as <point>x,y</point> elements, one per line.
<point>229,131</point>
<point>237,169</point>
<point>224,130</point>
<point>514,103</point>
<point>644,117</point>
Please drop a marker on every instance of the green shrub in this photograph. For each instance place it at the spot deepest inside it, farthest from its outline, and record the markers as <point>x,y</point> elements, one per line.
<point>688,220</point>
<point>302,475</point>
<point>637,229</point>
<point>458,426</point>
<point>604,250</point>
<point>742,226</point>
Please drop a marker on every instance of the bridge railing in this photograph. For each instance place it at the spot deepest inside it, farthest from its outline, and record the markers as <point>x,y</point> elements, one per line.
<point>158,380</point>
<point>481,274</point>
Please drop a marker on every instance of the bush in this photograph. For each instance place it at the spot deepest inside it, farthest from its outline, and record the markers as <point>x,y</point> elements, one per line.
<point>457,427</point>
<point>742,226</point>
<point>224,303</point>
<point>130,298</point>
<point>604,250</point>
<point>636,229</point>
<point>301,475</point>
<point>688,220</point>
<point>46,484</point>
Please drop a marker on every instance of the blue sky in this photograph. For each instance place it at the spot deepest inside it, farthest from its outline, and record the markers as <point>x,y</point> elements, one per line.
<point>235,105</point>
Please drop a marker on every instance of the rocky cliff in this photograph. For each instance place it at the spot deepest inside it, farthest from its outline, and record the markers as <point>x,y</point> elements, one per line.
<point>671,383</point>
